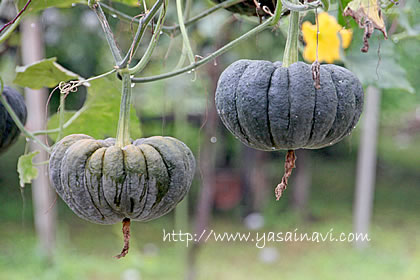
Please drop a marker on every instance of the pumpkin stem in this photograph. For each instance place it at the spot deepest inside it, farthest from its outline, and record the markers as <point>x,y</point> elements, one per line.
<point>288,167</point>
<point>126,233</point>
<point>123,132</point>
<point>290,55</point>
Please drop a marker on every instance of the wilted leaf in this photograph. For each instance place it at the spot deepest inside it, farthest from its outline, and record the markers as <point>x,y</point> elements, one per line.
<point>99,118</point>
<point>25,167</point>
<point>368,15</point>
<point>43,73</point>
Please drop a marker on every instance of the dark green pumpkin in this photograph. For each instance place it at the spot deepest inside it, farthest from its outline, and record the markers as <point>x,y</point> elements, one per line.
<point>104,184</point>
<point>9,132</point>
<point>247,7</point>
<point>270,107</point>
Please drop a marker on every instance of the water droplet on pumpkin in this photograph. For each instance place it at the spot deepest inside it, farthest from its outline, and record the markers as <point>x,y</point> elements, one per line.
<point>213,139</point>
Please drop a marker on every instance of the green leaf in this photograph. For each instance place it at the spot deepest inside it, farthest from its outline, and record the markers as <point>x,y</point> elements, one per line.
<point>99,118</point>
<point>25,167</point>
<point>38,5</point>
<point>342,20</point>
<point>378,67</point>
<point>43,73</point>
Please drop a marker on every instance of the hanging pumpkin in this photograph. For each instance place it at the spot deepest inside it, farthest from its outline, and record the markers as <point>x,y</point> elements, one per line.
<point>9,132</point>
<point>104,183</point>
<point>270,107</point>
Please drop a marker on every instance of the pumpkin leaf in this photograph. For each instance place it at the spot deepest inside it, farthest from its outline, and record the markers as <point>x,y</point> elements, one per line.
<point>99,116</point>
<point>25,167</point>
<point>43,73</point>
<point>368,14</point>
<point>40,5</point>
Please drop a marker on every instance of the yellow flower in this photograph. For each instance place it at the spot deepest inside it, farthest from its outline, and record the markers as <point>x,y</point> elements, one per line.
<point>328,40</point>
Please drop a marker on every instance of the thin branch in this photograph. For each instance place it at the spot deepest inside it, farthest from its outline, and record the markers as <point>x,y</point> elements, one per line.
<point>115,50</point>
<point>17,16</point>
<point>208,58</point>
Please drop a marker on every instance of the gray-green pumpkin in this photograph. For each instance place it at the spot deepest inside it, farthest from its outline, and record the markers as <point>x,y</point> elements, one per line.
<point>9,132</point>
<point>104,184</point>
<point>270,107</point>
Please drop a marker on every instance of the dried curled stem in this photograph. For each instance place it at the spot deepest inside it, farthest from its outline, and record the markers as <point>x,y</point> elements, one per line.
<point>288,167</point>
<point>316,74</point>
<point>126,233</point>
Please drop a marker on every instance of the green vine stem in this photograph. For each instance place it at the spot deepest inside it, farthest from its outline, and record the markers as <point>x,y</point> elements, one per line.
<point>115,50</point>
<point>208,58</point>
<point>17,121</point>
<point>174,29</point>
<point>123,132</point>
<point>153,42</point>
<point>139,34</point>
<point>9,30</point>
<point>291,51</point>
<point>186,45</point>
<point>277,13</point>
<point>65,125</point>
<point>298,7</point>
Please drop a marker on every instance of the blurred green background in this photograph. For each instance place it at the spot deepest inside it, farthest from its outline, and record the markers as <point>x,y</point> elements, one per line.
<point>242,180</point>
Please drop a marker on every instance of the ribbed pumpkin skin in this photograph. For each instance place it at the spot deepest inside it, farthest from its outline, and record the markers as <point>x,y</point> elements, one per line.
<point>248,6</point>
<point>270,107</point>
<point>9,132</point>
<point>104,184</point>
